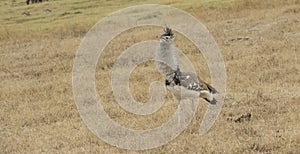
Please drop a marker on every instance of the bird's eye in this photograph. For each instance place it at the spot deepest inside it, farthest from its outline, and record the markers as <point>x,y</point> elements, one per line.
<point>167,37</point>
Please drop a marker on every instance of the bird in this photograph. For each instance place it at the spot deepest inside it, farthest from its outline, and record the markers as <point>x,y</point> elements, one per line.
<point>182,85</point>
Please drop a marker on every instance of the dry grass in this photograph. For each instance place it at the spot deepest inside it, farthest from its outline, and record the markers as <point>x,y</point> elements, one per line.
<point>258,39</point>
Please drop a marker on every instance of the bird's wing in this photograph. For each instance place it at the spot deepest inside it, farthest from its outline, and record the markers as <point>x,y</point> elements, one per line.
<point>191,81</point>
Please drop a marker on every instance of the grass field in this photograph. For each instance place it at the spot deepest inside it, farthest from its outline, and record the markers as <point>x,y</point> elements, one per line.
<point>259,41</point>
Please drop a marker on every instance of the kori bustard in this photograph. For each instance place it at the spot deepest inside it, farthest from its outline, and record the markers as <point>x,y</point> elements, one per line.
<point>183,85</point>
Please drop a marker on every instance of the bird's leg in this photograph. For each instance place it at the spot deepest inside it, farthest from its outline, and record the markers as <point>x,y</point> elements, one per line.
<point>179,112</point>
<point>193,105</point>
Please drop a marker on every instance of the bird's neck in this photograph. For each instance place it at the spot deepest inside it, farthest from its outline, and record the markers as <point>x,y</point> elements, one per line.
<point>166,59</point>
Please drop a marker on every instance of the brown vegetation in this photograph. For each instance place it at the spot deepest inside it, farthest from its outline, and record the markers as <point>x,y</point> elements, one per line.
<point>258,39</point>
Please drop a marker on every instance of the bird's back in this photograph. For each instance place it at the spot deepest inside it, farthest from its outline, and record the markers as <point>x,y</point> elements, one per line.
<point>193,82</point>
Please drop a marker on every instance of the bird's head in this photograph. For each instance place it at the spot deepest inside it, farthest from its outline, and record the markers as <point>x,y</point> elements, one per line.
<point>167,37</point>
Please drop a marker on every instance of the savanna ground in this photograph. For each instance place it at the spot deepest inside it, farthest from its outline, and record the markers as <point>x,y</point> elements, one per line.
<point>259,41</point>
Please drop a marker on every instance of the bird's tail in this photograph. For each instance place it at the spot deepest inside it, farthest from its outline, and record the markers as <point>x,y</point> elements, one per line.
<point>211,89</point>
<point>208,96</point>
